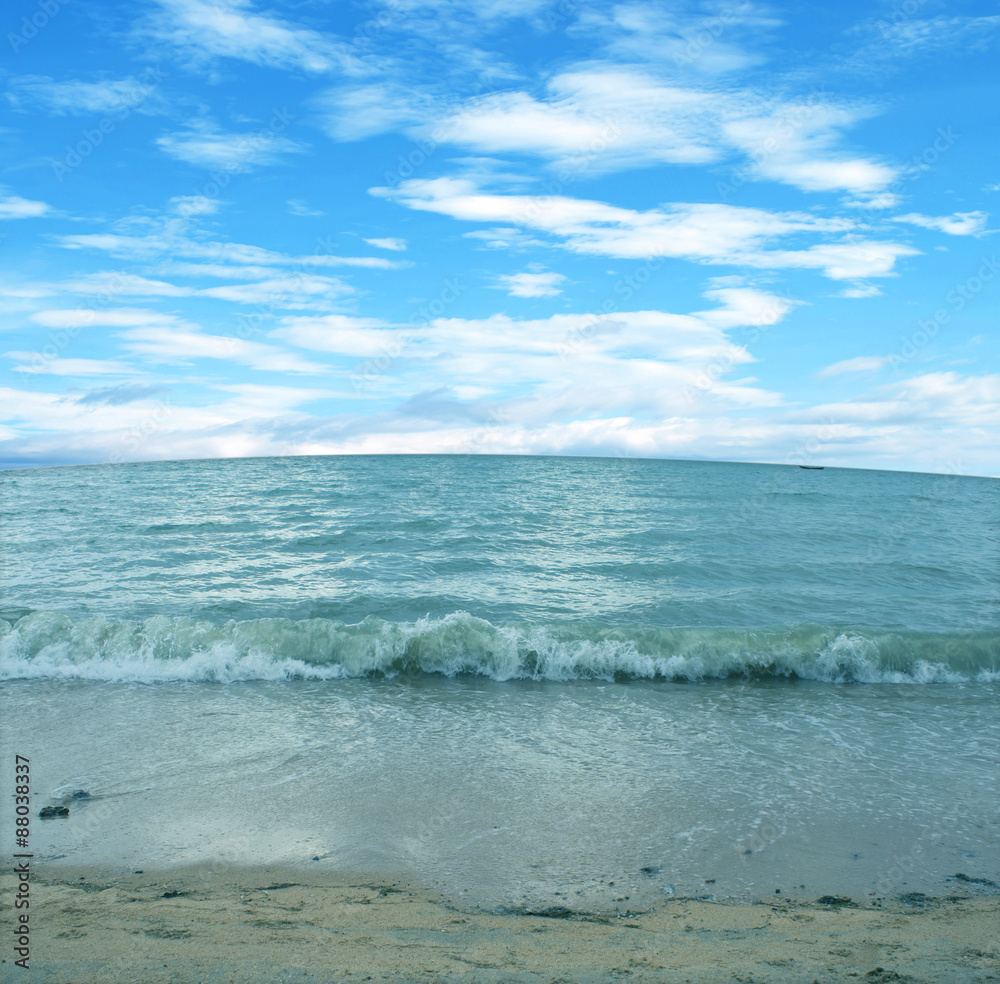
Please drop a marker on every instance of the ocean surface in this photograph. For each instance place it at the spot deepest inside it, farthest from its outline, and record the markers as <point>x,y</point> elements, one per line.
<point>525,680</point>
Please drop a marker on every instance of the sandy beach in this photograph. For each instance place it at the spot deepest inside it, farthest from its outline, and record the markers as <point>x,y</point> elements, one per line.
<point>267,925</point>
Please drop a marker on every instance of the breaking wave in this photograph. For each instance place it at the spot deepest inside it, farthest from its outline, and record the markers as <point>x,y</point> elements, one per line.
<point>162,648</point>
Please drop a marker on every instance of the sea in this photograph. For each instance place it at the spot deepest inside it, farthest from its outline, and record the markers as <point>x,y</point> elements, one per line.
<point>578,683</point>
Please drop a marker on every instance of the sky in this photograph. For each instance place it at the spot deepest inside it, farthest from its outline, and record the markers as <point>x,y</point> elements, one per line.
<point>729,231</point>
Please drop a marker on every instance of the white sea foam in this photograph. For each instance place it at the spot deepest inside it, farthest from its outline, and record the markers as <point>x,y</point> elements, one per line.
<point>53,646</point>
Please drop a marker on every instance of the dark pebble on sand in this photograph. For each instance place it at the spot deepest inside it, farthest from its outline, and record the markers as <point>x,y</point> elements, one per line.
<point>49,812</point>
<point>651,869</point>
<point>80,794</point>
<point>975,881</point>
<point>834,900</point>
<point>552,912</point>
<point>139,872</point>
<point>315,857</point>
<point>748,851</point>
<point>172,895</point>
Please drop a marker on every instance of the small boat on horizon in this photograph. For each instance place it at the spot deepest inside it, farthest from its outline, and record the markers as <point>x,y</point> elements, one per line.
<point>812,467</point>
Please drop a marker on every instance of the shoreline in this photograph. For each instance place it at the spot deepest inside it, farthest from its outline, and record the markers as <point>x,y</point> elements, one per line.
<point>254,924</point>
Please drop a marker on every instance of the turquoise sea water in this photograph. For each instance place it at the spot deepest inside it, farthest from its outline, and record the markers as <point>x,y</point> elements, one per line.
<point>510,567</point>
<point>512,677</point>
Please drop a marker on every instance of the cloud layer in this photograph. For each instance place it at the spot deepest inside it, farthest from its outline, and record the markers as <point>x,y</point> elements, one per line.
<point>651,228</point>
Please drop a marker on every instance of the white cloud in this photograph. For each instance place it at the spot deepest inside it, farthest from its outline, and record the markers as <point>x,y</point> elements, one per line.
<point>700,230</point>
<point>359,111</point>
<point>177,344</point>
<point>704,43</point>
<point>112,283</point>
<point>863,363</point>
<point>37,364</point>
<point>910,36</point>
<point>742,305</point>
<point>339,333</point>
<point>652,362</point>
<point>847,260</point>
<point>605,119</point>
<point>167,337</point>
<point>607,114</point>
<point>264,401</point>
<point>481,10</point>
<point>221,271</point>
<point>939,422</point>
<point>604,116</point>
<point>23,290</point>
<point>959,224</point>
<point>187,206</point>
<point>165,241</point>
<point>531,284</point>
<point>503,238</point>
<point>714,233</point>
<point>107,431</point>
<point>296,207</point>
<point>121,394</point>
<point>861,289</point>
<point>205,145</point>
<point>972,401</point>
<point>297,291</point>
<point>233,29</point>
<point>286,291</point>
<point>873,203</point>
<point>388,243</point>
<point>371,262</point>
<point>14,207</point>
<point>795,143</point>
<point>78,97</point>
<point>94,317</point>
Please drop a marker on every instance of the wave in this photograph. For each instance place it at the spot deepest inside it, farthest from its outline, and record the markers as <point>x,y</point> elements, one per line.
<point>45,645</point>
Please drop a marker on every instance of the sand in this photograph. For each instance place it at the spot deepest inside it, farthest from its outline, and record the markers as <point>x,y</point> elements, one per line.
<point>269,925</point>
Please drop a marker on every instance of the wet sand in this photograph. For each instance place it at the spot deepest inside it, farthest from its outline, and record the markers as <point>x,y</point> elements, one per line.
<point>269,925</point>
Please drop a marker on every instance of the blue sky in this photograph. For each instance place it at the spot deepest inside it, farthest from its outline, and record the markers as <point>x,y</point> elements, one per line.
<point>718,230</point>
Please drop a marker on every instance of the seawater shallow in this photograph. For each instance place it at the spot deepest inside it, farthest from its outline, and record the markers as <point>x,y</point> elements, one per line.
<point>520,792</point>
